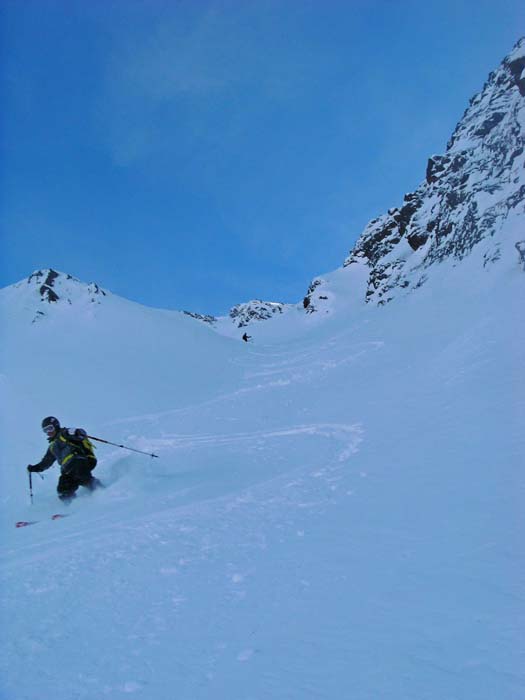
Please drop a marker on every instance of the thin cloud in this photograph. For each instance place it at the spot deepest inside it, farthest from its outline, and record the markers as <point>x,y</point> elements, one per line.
<point>192,67</point>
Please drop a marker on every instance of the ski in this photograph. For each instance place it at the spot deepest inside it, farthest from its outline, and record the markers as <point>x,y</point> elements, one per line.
<point>25,523</point>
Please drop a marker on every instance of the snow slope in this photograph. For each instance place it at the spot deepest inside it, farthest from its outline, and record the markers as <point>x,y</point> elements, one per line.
<point>334,514</point>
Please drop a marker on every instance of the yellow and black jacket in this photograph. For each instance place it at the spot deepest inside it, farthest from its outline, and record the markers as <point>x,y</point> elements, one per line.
<point>66,445</point>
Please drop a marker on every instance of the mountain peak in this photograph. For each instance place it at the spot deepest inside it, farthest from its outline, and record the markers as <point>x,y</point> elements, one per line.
<point>47,288</point>
<point>49,282</point>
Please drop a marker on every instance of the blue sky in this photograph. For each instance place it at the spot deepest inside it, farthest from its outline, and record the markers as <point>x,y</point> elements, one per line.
<point>193,155</point>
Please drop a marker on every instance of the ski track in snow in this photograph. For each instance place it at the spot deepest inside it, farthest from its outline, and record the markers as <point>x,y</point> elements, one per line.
<point>328,430</point>
<point>292,368</point>
<point>197,546</point>
<point>249,519</point>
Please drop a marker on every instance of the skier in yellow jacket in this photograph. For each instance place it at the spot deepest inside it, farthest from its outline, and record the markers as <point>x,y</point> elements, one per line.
<point>72,449</point>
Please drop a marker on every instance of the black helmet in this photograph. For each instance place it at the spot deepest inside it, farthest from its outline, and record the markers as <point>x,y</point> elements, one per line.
<point>50,425</point>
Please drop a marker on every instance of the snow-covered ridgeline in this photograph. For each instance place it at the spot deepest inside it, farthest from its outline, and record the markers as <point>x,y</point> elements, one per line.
<point>473,195</point>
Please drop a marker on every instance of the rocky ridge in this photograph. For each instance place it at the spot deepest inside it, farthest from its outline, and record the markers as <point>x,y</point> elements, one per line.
<point>244,314</point>
<point>466,197</point>
<point>241,315</point>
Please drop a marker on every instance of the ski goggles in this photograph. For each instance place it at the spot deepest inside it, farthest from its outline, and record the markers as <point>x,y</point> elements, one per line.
<point>49,429</point>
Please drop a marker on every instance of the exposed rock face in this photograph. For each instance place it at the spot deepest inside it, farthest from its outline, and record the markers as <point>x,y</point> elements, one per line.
<point>244,314</point>
<point>47,278</point>
<point>520,247</point>
<point>308,304</point>
<point>466,196</point>
<point>206,318</point>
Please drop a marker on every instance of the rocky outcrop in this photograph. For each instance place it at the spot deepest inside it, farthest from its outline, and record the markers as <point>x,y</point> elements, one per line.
<point>205,318</point>
<point>244,314</point>
<point>520,247</point>
<point>50,288</point>
<point>308,301</point>
<point>467,194</point>
<point>46,280</point>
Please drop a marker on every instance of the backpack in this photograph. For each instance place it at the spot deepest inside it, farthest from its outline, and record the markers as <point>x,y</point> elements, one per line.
<point>74,442</point>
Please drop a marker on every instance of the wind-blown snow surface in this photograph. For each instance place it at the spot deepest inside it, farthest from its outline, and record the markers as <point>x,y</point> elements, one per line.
<point>335,512</point>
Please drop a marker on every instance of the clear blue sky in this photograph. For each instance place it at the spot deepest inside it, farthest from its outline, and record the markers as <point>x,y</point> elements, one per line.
<point>193,155</point>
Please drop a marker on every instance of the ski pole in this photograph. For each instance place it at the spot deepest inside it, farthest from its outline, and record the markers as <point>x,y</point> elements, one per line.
<point>124,447</point>
<point>30,474</point>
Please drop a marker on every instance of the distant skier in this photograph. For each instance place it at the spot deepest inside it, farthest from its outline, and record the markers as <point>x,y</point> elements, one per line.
<point>246,337</point>
<point>72,449</point>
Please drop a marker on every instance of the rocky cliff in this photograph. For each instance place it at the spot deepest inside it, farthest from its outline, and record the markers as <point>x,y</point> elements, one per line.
<point>467,197</point>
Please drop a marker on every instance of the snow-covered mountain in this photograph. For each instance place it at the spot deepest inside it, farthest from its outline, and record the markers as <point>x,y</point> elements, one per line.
<point>473,196</point>
<point>336,507</point>
<point>44,290</point>
<point>241,315</point>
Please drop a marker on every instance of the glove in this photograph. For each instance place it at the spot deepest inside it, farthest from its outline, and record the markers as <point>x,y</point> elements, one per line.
<point>32,468</point>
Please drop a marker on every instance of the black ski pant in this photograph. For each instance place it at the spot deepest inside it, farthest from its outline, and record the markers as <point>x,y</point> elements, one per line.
<point>77,472</point>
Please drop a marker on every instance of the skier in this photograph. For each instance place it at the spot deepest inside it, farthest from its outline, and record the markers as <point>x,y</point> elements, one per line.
<point>246,337</point>
<point>72,449</point>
